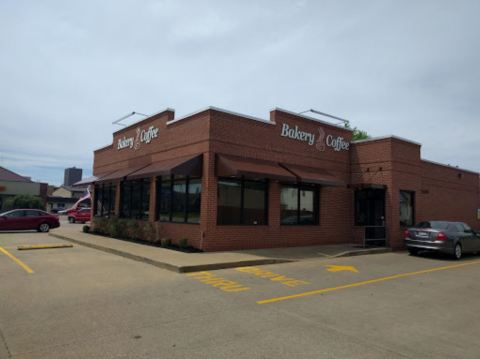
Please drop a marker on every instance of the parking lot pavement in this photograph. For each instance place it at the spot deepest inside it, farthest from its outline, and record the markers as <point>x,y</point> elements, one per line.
<point>83,303</point>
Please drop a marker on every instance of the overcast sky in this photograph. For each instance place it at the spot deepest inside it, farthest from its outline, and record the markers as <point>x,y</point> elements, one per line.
<point>70,68</point>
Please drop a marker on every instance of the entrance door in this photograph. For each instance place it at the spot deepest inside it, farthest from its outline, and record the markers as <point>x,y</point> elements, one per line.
<point>370,213</point>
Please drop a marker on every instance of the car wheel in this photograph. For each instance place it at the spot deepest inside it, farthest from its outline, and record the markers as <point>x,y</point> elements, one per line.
<point>413,251</point>
<point>457,253</point>
<point>44,227</point>
<point>71,219</point>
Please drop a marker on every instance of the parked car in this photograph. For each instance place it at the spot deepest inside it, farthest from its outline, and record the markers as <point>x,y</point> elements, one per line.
<point>453,238</point>
<point>81,215</point>
<point>18,219</point>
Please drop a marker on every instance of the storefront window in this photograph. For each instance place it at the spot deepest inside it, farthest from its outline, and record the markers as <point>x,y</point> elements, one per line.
<point>298,205</point>
<point>407,208</point>
<point>135,199</point>
<point>242,202</point>
<point>179,199</point>
<point>104,200</point>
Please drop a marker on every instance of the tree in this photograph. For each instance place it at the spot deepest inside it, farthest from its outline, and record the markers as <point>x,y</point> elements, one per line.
<point>24,201</point>
<point>357,134</point>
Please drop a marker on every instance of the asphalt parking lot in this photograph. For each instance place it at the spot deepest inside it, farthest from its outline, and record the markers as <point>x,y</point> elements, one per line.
<point>82,303</point>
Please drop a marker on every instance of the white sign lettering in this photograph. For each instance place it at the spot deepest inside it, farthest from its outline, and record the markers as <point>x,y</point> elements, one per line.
<point>338,143</point>
<point>143,136</point>
<point>296,134</point>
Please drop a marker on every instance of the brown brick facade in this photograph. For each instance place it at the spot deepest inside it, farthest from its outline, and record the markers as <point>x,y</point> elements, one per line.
<point>441,192</point>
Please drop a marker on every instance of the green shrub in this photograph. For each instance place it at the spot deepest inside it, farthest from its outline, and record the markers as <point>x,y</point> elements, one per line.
<point>183,243</point>
<point>116,227</point>
<point>148,232</point>
<point>100,225</point>
<point>133,229</point>
<point>165,242</point>
<point>86,229</point>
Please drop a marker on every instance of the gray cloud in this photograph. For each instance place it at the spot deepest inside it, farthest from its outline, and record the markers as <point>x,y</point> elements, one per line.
<point>69,69</point>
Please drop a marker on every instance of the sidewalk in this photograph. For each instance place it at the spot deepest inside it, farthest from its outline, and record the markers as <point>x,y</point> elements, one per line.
<point>192,262</point>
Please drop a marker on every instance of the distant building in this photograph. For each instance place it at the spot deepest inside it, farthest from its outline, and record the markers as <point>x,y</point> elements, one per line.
<point>72,175</point>
<point>12,184</point>
<point>64,197</point>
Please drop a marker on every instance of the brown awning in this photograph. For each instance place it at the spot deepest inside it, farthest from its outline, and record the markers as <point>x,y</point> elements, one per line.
<point>187,166</point>
<point>228,166</point>
<point>314,175</point>
<point>119,174</point>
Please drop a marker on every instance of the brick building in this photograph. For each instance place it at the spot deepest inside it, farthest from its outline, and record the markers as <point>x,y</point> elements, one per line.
<point>229,181</point>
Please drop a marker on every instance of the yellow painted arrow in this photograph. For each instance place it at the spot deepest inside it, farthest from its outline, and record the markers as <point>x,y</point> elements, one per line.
<point>335,268</point>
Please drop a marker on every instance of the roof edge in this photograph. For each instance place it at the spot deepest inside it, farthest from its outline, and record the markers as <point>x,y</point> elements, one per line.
<point>213,108</point>
<point>310,118</point>
<point>386,138</point>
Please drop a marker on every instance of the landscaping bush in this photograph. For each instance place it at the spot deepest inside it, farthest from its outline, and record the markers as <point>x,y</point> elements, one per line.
<point>100,225</point>
<point>133,229</point>
<point>86,229</point>
<point>183,243</point>
<point>148,232</point>
<point>116,227</point>
<point>165,242</point>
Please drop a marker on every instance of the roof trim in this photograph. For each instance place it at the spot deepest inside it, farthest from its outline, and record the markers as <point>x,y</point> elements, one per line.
<point>311,119</point>
<point>386,138</point>
<point>213,108</point>
<point>450,166</point>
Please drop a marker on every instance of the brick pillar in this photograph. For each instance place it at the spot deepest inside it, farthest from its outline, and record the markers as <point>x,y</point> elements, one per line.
<point>117,199</point>
<point>152,209</point>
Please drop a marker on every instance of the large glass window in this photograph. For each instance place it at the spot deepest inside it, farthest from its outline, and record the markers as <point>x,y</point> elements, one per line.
<point>135,199</point>
<point>242,201</point>
<point>179,199</point>
<point>104,199</point>
<point>407,208</point>
<point>299,205</point>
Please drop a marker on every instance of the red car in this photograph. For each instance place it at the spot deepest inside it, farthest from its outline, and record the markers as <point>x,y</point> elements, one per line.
<point>28,219</point>
<point>81,215</point>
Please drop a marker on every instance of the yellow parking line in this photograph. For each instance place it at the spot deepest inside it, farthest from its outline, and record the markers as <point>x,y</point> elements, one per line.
<point>16,260</point>
<point>365,282</point>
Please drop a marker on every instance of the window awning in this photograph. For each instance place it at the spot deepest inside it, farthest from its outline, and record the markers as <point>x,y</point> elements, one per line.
<point>228,166</point>
<point>314,175</point>
<point>187,166</point>
<point>120,174</point>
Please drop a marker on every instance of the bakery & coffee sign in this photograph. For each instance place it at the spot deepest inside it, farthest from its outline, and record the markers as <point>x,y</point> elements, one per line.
<point>320,139</point>
<point>142,136</point>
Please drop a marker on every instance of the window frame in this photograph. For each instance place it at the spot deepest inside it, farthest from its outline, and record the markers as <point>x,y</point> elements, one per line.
<point>242,181</point>
<point>140,214</point>
<point>316,202</point>
<point>171,178</point>
<point>108,210</point>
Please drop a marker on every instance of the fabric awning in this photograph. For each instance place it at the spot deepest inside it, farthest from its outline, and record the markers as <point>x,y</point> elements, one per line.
<point>228,166</point>
<point>187,166</point>
<point>120,174</point>
<point>314,175</point>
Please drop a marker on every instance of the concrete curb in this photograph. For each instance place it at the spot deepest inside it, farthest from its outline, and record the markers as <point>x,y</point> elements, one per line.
<point>171,267</point>
<point>362,252</point>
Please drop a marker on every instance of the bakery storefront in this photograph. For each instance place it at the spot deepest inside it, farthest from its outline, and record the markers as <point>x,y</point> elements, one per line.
<point>221,180</point>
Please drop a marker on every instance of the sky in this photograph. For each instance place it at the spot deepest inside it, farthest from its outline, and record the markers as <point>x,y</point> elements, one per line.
<point>68,69</point>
